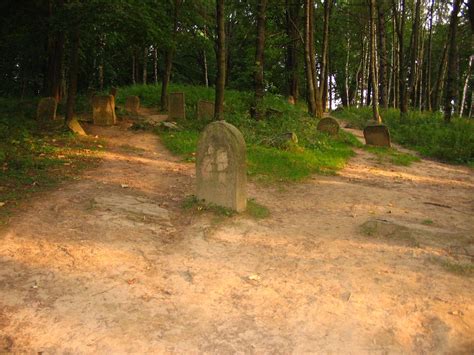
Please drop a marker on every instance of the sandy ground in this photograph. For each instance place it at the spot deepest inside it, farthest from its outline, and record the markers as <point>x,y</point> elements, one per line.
<point>111,263</point>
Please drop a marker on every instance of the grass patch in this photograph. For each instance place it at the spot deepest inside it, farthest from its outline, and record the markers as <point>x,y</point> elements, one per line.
<point>424,132</point>
<point>392,156</point>
<point>458,268</point>
<point>315,152</point>
<point>34,158</point>
<point>256,210</point>
<point>427,222</point>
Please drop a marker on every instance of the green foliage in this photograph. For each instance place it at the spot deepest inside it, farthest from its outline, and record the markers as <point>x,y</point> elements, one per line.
<point>392,155</point>
<point>315,152</point>
<point>424,132</point>
<point>454,267</point>
<point>256,210</point>
<point>32,159</point>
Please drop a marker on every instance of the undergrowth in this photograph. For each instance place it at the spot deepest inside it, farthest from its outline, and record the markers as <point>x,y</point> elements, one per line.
<point>425,132</point>
<point>269,155</point>
<point>35,158</point>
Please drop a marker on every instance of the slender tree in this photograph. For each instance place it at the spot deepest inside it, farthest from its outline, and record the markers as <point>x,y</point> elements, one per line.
<point>451,79</point>
<point>221,60</point>
<point>383,62</point>
<point>373,62</point>
<point>259,60</point>
<point>292,31</point>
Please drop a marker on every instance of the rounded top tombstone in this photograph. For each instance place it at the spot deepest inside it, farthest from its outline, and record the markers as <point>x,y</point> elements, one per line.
<point>221,166</point>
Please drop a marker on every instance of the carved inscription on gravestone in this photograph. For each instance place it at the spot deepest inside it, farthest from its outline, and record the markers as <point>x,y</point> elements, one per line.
<point>221,171</point>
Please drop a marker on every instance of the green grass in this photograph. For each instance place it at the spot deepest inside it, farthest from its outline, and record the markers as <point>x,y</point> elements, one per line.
<point>424,132</point>
<point>256,210</point>
<point>34,158</point>
<point>454,267</point>
<point>270,158</point>
<point>392,156</point>
<point>195,205</point>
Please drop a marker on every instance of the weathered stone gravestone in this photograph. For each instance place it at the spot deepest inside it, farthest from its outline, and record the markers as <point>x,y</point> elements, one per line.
<point>176,104</point>
<point>46,110</point>
<point>221,170</point>
<point>132,104</point>
<point>377,135</point>
<point>328,125</point>
<point>291,100</point>
<point>205,109</point>
<point>103,110</point>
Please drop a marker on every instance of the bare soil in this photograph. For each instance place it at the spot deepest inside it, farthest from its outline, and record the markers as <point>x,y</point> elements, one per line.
<point>354,263</point>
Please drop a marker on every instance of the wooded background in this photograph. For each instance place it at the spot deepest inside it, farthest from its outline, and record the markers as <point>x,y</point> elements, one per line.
<point>409,54</point>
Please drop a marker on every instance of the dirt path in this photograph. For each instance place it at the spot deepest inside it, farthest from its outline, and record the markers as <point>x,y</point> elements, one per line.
<point>111,263</point>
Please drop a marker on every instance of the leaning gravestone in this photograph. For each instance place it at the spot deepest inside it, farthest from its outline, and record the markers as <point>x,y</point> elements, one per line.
<point>205,109</point>
<point>177,108</point>
<point>132,104</point>
<point>328,125</point>
<point>46,110</point>
<point>220,166</point>
<point>377,135</point>
<point>103,110</point>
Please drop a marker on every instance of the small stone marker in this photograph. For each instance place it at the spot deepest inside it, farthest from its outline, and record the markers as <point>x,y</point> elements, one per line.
<point>328,125</point>
<point>205,109</point>
<point>76,127</point>
<point>132,104</point>
<point>47,109</point>
<point>103,110</point>
<point>177,107</point>
<point>221,170</point>
<point>291,100</point>
<point>377,135</point>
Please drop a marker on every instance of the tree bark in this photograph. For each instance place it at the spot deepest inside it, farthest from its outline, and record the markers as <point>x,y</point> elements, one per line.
<point>133,69</point>
<point>308,62</point>
<point>206,74</point>
<point>73,73</point>
<point>145,60</point>
<point>56,40</point>
<point>441,74</point>
<point>451,79</point>
<point>400,29</point>
<point>428,60</point>
<point>292,25</point>
<point>466,84</point>
<point>373,61</point>
<point>155,65</point>
<point>221,61</point>
<point>415,34</point>
<point>259,60</point>
<point>325,55</point>
<point>383,68</point>
<point>346,71</point>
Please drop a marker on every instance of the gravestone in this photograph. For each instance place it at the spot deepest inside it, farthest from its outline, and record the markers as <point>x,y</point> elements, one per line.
<point>76,127</point>
<point>132,104</point>
<point>113,91</point>
<point>291,100</point>
<point>176,105</point>
<point>46,110</point>
<point>377,135</point>
<point>205,109</point>
<point>221,170</point>
<point>103,110</point>
<point>328,125</point>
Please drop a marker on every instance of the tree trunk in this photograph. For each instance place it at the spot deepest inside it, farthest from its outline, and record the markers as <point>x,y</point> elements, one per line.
<point>466,83</point>
<point>73,73</point>
<point>133,69</point>
<point>206,74</point>
<point>415,34</point>
<point>373,61</point>
<point>400,29</point>
<point>155,65</point>
<point>325,55</point>
<point>145,60</point>
<point>428,60</point>
<point>169,59</point>
<point>441,74</point>
<point>292,26</point>
<point>259,60</point>
<point>383,72</point>
<point>56,40</point>
<point>221,61</point>
<point>451,79</point>
<point>346,79</point>
<point>307,54</point>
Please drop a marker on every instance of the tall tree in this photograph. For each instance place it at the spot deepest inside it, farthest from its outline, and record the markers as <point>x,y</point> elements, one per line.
<point>451,79</point>
<point>324,74</point>
<point>259,60</point>
<point>292,30</point>
<point>373,62</point>
<point>415,33</point>
<point>383,62</point>
<point>310,82</point>
<point>221,60</point>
